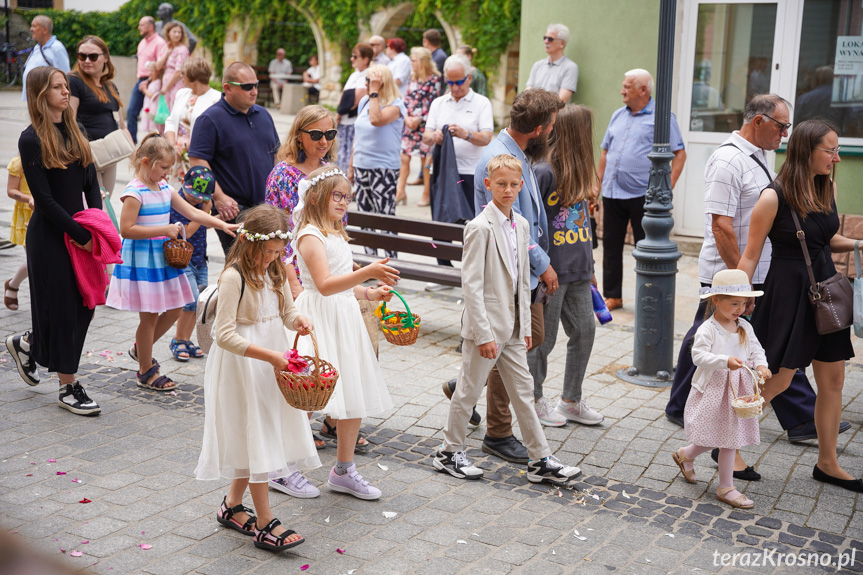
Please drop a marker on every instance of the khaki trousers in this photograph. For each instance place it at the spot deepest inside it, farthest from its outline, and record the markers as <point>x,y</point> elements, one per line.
<point>498,416</point>
<point>511,363</point>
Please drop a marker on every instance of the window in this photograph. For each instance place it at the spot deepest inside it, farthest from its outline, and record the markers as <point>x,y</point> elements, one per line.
<point>830,72</point>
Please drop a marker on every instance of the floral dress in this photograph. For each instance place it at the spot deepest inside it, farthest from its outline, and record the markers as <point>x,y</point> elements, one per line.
<point>418,101</point>
<point>173,64</point>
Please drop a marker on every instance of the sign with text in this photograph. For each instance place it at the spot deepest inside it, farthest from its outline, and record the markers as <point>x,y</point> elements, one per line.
<point>849,55</point>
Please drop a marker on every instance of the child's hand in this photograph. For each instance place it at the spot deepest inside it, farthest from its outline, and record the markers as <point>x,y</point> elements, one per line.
<point>763,371</point>
<point>381,271</point>
<point>734,362</point>
<point>302,325</point>
<point>172,230</point>
<point>488,350</point>
<point>277,360</point>
<point>380,293</point>
<point>229,229</point>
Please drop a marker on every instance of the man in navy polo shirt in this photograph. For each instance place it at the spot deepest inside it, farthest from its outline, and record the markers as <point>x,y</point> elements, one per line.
<point>237,140</point>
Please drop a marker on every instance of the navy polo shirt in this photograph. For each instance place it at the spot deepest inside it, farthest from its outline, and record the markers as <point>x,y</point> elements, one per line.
<point>241,149</point>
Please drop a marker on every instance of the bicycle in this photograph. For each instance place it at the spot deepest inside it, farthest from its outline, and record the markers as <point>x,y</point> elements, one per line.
<point>12,61</point>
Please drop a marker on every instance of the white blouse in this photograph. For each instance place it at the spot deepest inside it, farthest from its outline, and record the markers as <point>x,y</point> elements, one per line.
<point>713,345</point>
<point>204,101</point>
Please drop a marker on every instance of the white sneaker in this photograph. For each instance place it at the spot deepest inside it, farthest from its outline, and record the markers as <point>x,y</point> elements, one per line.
<point>579,412</point>
<point>548,416</point>
<point>297,485</point>
<point>433,287</point>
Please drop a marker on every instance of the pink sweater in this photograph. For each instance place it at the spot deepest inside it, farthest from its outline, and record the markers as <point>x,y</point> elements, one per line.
<point>90,267</point>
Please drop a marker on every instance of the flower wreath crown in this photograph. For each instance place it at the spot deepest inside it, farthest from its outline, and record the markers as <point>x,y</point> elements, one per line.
<point>258,237</point>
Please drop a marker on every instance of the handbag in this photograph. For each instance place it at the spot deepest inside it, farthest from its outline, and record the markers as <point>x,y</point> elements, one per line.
<point>346,104</point>
<point>111,149</point>
<point>858,293</point>
<point>832,299</point>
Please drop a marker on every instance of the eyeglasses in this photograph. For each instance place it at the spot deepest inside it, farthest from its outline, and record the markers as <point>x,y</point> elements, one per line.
<point>316,135</point>
<point>82,57</point>
<point>458,82</point>
<point>548,39</point>
<point>832,152</point>
<point>247,87</point>
<point>783,127</point>
<point>339,196</point>
<point>354,56</point>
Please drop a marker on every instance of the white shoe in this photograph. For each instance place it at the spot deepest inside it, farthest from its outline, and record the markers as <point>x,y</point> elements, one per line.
<point>431,286</point>
<point>579,412</point>
<point>548,416</point>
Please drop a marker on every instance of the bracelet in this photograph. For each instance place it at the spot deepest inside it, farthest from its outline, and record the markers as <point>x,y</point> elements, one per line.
<point>367,294</point>
<point>468,136</point>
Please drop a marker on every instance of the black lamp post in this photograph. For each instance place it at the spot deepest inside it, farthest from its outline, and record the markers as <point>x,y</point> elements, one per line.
<point>656,255</point>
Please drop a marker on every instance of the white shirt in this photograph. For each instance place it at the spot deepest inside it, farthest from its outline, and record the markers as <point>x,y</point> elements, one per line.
<point>401,68</point>
<point>315,73</point>
<point>355,80</point>
<point>280,70</point>
<point>507,225</point>
<point>381,59</point>
<point>713,345</point>
<point>733,181</point>
<point>473,113</point>
<point>203,102</point>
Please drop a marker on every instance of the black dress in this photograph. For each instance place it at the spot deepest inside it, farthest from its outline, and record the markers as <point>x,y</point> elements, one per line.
<point>60,318</point>
<point>783,319</point>
<point>96,117</point>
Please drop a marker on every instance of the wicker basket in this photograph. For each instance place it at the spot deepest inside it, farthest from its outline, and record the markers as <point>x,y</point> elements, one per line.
<point>399,327</point>
<point>748,406</point>
<point>178,252</point>
<point>308,391</point>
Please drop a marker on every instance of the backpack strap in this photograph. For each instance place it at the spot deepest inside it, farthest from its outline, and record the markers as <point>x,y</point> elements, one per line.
<point>242,280</point>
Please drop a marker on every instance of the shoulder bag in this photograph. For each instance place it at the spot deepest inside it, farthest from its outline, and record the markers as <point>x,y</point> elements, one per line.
<point>112,149</point>
<point>832,299</point>
<point>858,293</point>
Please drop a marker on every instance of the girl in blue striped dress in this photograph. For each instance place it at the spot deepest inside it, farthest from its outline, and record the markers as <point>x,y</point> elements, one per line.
<point>144,282</point>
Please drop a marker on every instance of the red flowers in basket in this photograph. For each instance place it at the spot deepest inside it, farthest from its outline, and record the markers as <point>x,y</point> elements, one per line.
<point>296,364</point>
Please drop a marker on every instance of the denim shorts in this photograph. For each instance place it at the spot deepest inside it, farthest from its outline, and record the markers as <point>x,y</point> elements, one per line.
<point>197,276</point>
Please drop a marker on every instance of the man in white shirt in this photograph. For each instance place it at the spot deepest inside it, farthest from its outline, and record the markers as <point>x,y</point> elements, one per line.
<point>280,69</point>
<point>379,45</point>
<point>557,73</point>
<point>49,51</point>
<point>312,79</point>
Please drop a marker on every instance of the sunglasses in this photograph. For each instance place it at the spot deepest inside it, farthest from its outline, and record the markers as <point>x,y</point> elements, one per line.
<point>339,196</point>
<point>457,82</point>
<point>549,38</point>
<point>82,57</point>
<point>316,135</point>
<point>247,87</point>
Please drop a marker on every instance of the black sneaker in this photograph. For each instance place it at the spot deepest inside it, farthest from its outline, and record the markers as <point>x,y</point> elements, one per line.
<point>26,366</point>
<point>448,389</point>
<point>75,399</point>
<point>551,470</point>
<point>456,464</point>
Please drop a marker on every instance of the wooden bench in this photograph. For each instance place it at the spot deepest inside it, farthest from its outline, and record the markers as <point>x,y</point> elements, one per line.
<point>436,240</point>
<point>265,93</point>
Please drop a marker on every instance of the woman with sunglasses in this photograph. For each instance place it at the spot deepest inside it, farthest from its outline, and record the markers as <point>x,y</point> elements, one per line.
<point>378,133</point>
<point>353,92</point>
<point>94,98</point>
<point>173,56</point>
<point>422,89</point>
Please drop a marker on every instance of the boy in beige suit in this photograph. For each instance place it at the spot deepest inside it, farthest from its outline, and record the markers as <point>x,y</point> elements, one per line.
<point>496,328</point>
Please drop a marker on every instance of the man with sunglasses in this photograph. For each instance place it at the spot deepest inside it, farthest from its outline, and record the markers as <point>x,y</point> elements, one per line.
<point>237,140</point>
<point>557,73</point>
<point>49,51</point>
<point>734,176</point>
<point>149,48</point>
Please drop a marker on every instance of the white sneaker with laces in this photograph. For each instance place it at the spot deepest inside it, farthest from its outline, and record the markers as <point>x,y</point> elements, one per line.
<point>579,412</point>
<point>547,415</point>
<point>456,464</point>
<point>550,469</point>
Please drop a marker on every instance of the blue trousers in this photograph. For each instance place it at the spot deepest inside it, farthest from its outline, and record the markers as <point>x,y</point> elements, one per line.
<point>794,406</point>
<point>136,104</point>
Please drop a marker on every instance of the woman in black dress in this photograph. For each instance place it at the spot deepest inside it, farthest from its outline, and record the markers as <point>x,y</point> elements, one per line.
<point>783,319</point>
<point>58,166</point>
<point>95,99</point>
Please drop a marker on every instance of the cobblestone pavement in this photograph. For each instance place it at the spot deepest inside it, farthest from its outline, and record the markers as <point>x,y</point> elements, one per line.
<point>628,513</point>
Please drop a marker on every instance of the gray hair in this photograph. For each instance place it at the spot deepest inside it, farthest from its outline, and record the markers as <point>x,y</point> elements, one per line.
<point>642,78</point>
<point>45,22</point>
<point>763,104</point>
<point>560,32</point>
<point>457,61</point>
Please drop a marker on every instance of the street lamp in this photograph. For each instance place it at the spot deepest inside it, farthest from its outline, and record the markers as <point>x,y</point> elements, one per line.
<point>656,255</point>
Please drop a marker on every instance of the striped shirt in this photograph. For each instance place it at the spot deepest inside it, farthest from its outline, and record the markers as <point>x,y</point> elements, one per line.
<point>155,205</point>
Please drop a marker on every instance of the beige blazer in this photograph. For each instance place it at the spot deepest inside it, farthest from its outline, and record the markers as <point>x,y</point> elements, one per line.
<point>489,306</point>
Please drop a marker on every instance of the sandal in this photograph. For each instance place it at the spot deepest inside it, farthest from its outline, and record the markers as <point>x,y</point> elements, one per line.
<point>161,383</point>
<point>179,349</point>
<point>688,474</point>
<point>133,351</point>
<point>740,502</point>
<point>226,514</point>
<point>9,302</point>
<point>194,350</point>
<point>320,443</point>
<point>329,432</point>
<point>264,538</point>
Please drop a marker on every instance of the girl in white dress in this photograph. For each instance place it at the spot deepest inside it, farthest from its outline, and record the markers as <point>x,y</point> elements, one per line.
<point>723,344</point>
<point>251,434</point>
<point>329,299</point>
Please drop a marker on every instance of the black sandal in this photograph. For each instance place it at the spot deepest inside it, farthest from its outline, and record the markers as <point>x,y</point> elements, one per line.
<point>226,514</point>
<point>161,383</point>
<point>330,432</point>
<point>264,538</point>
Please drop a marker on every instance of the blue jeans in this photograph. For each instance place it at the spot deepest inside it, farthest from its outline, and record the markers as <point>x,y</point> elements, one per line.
<point>136,104</point>
<point>198,280</point>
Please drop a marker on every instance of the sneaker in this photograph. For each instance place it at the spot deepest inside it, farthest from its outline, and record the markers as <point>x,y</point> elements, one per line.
<point>75,399</point>
<point>295,485</point>
<point>548,416</point>
<point>551,470</point>
<point>433,287</point>
<point>352,482</point>
<point>456,464</point>
<point>26,367</point>
<point>579,412</point>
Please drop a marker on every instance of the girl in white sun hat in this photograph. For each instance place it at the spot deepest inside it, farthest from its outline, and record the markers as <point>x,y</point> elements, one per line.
<point>723,344</point>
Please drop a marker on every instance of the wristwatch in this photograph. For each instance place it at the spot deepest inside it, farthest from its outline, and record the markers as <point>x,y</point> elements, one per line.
<point>373,95</point>
<point>468,136</point>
